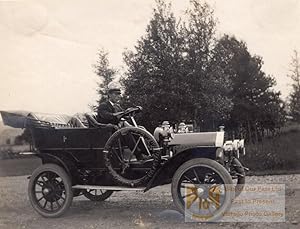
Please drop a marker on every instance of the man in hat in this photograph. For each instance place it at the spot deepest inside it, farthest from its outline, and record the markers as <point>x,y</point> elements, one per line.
<point>106,112</point>
<point>111,106</point>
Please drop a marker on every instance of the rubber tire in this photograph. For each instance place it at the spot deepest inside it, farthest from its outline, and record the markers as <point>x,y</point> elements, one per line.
<point>222,172</point>
<point>67,184</point>
<point>125,181</point>
<point>97,198</point>
<point>241,180</point>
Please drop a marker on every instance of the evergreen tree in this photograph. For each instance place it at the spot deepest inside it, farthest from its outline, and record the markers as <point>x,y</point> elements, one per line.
<point>106,74</point>
<point>295,94</point>
<point>179,71</point>
<point>256,106</point>
<point>171,74</point>
<point>208,85</point>
<point>156,75</point>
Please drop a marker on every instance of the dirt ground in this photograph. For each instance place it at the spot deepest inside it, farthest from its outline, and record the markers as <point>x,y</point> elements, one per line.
<point>153,209</point>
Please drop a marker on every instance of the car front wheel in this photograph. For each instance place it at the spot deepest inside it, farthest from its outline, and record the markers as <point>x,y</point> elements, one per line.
<point>202,190</point>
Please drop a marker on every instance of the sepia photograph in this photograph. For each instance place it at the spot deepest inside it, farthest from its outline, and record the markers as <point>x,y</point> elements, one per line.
<point>149,114</point>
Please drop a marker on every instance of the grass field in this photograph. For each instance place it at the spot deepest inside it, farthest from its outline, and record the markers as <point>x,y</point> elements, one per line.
<point>281,152</point>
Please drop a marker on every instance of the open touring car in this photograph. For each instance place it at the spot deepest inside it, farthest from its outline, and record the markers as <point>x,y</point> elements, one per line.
<point>83,157</point>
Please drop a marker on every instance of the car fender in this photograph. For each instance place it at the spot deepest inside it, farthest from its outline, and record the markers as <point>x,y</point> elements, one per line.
<point>52,158</point>
<point>165,173</point>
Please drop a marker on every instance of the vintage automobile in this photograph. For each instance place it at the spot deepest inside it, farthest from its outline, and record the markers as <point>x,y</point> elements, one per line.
<point>83,157</point>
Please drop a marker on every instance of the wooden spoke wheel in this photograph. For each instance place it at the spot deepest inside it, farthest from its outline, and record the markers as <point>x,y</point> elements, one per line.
<point>202,189</point>
<point>50,190</point>
<point>97,194</point>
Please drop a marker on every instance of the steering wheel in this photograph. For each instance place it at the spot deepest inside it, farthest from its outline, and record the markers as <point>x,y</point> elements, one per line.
<point>128,112</point>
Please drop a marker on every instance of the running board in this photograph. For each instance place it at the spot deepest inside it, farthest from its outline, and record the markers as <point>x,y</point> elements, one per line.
<point>27,153</point>
<point>112,188</point>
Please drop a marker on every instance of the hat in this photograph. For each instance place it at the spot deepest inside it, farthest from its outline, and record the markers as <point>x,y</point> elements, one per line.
<point>113,87</point>
<point>165,123</point>
<point>182,124</point>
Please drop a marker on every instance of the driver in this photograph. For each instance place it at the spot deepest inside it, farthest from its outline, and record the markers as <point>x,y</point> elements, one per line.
<point>106,115</point>
<point>111,106</point>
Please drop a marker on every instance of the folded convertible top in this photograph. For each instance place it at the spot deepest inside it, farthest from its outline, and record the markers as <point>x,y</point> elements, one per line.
<point>16,119</point>
<point>20,119</point>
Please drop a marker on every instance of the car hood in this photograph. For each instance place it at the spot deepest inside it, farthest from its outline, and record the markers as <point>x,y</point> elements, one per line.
<point>210,139</point>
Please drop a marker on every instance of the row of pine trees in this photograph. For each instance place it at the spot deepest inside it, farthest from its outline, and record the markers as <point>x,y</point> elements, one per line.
<point>181,70</point>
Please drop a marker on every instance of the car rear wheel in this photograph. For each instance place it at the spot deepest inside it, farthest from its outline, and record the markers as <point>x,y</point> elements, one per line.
<point>97,194</point>
<point>50,190</point>
<point>202,190</point>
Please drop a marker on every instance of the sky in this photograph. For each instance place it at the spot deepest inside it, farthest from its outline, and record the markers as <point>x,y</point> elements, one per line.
<point>48,47</point>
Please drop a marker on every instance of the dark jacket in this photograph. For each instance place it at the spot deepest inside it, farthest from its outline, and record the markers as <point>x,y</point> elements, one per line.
<point>106,111</point>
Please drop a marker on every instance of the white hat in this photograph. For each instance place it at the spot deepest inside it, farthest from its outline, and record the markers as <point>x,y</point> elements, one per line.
<point>113,86</point>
